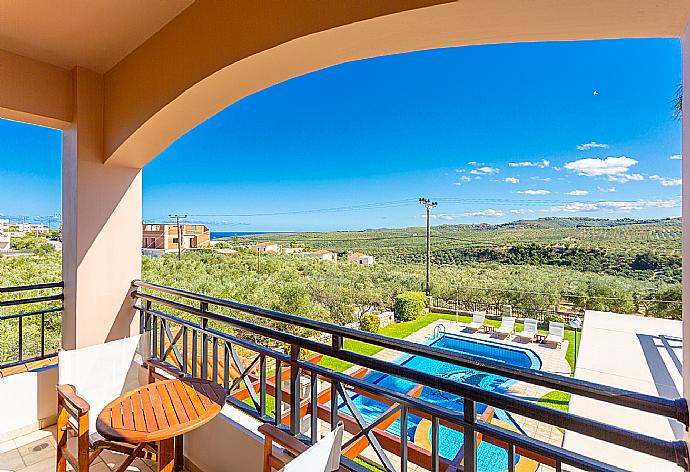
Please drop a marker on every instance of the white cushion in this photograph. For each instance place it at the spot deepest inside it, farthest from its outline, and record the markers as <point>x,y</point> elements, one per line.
<point>103,372</point>
<point>324,456</point>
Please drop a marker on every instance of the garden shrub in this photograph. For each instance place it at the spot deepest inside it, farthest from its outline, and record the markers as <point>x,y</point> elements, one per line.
<point>370,323</point>
<point>409,305</point>
<point>551,317</point>
<point>303,353</point>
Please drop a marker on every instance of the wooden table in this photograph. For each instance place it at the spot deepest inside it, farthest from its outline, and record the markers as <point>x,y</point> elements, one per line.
<point>540,337</point>
<point>159,412</point>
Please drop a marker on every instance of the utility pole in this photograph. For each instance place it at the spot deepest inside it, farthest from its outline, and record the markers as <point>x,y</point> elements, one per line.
<point>179,234</point>
<point>258,260</point>
<point>429,205</point>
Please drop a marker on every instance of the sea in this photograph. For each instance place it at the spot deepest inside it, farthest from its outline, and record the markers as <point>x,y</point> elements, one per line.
<point>230,234</point>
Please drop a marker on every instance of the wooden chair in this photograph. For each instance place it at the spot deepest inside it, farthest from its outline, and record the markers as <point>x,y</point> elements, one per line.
<point>322,456</point>
<point>89,378</point>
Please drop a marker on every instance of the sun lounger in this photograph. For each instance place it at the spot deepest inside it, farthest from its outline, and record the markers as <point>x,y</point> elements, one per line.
<point>529,330</point>
<point>507,326</point>
<point>556,333</point>
<point>478,321</point>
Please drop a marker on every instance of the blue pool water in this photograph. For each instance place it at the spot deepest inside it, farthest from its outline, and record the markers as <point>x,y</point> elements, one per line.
<point>490,458</point>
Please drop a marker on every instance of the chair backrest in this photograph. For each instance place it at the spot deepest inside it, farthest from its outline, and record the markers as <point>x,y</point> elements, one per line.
<point>103,372</point>
<point>508,322</point>
<point>324,456</point>
<point>478,316</point>
<point>557,328</point>
<point>530,325</point>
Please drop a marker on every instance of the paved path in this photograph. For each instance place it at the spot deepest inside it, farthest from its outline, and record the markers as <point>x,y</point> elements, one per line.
<point>636,353</point>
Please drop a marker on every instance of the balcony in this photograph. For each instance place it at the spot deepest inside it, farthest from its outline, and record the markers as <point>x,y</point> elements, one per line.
<point>243,348</point>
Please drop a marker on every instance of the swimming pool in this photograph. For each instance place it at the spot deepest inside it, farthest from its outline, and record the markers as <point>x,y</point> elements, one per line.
<point>490,458</point>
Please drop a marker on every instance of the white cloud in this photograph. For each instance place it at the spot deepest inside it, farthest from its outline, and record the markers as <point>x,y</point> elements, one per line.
<point>607,190</point>
<point>591,145</point>
<point>489,212</point>
<point>512,180</point>
<point>666,181</point>
<point>473,163</point>
<point>542,179</point>
<point>541,164</point>
<point>535,192</point>
<point>614,206</point>
<point>486,170</point>
<point>521,211</point>
<point>625,178</point>
<point>614,168</point>
<point>577,193</point>
<point>463,178</point>
<point>676,157</point>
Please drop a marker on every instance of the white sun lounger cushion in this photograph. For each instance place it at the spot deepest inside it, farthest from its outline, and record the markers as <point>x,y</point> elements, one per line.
<point>324,456</point>
<point>507,325</point>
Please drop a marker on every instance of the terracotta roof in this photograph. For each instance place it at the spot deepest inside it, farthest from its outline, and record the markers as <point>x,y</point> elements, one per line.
<point>271,251</point>
<point>358,254</point>
<point>322,252</point>
<point>268,243</point>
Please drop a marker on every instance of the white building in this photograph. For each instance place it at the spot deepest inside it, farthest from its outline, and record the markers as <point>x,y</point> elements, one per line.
<point>292,250</point>
<point>31,228</point>
<point>359,258</point>
<point>4,225</point>
<point>321,255</point>
<point>5,242</point>
<point>267,247</point>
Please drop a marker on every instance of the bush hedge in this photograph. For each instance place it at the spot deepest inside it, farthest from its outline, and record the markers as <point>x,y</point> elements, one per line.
<point>409,305</point>
<point>370,323</point>
<point>550,317</point>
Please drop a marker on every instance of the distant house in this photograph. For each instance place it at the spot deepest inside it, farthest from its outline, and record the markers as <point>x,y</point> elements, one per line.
<point>4,225</point>
<point>227,252</point>
<point>5,242</point>
<point>359,258</point>
<point>267,247</point>
<point>30,228</point>
<point>292,250</point>
<point>165,238</point>
<point>321,255</point>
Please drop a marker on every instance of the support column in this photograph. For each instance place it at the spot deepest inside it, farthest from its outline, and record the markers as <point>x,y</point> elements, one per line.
<point>101,211</point>
<point>685,41</point>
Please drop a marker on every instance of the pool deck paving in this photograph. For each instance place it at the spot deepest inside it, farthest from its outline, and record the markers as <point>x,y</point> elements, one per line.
<point>635,353</point>
<point>552,357</point>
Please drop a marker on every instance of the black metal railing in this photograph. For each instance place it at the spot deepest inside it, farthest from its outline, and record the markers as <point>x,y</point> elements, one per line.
<point>249,360</point>
<point>498,309</point>
<point>30,322</point>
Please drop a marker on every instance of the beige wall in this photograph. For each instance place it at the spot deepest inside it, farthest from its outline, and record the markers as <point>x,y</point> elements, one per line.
<point>33,405</point>
<point>210,56</point>
<point>101,208</point>
<point>34,92</point>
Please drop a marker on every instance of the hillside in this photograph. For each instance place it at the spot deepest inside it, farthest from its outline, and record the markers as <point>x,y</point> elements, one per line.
<point>642,249</point>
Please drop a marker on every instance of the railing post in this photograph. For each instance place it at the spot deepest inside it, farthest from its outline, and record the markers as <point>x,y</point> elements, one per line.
<point>470,437</point>
<point>21,337</point>
<point>337,344</point>
<point>204,341</point>
<point>295,397</point>
<point>314,407</point>
<point>279,392</point>
<point>403,438</point>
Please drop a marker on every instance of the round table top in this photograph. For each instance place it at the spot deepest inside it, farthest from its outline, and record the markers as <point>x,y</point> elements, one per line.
<point>161,410</point>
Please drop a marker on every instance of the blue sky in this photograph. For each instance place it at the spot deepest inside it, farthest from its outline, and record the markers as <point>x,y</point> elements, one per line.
<point>494,133</point>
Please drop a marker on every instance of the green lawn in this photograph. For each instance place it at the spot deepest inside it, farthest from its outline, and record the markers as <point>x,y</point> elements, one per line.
<point>402,330</point>
<point>395,330</point>
<point>556,400</point>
